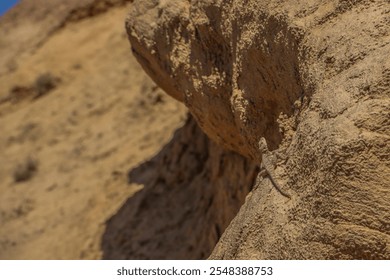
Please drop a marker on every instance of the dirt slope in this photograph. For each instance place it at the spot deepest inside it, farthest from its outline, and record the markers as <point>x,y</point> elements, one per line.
<point>68,139</point>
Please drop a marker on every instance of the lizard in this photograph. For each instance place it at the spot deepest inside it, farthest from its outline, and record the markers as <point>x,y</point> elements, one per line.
<point>267,167</point>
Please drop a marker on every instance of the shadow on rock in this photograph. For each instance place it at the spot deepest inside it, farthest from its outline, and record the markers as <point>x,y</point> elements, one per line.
<point>192,190</point>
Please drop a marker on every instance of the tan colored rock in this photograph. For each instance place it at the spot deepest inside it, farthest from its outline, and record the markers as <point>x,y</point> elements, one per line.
<point>313,78</point>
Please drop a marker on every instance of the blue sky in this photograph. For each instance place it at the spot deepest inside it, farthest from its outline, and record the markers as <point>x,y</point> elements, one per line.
<point>5,5</point>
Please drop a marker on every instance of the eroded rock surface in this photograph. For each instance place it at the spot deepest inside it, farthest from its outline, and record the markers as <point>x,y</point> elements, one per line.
<point>310,76</point>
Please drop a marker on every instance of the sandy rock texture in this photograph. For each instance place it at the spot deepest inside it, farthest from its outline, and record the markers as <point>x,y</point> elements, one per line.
<point>310,76</point>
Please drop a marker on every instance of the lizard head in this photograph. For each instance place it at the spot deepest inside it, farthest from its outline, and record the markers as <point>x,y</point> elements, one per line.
<point>263,147</point>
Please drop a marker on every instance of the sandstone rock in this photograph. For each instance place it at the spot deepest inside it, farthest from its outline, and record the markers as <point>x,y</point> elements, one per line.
<point>313,78</point>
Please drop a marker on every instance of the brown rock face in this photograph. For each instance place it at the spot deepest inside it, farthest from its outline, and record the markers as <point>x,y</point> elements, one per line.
<point>313,78</point>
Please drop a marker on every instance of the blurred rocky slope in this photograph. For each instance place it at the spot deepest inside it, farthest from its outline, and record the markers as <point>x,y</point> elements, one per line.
<point>30,23</point>
<point>76,114</point>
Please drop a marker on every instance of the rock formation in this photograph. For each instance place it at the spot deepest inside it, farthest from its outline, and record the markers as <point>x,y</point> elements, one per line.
<point>310,76</point>
<point>82,153</point>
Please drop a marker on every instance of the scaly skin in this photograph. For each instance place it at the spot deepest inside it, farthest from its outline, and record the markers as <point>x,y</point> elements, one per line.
<point>268,167</point>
